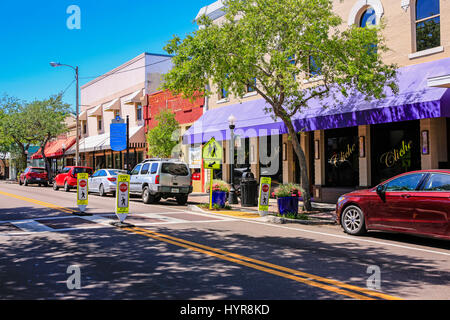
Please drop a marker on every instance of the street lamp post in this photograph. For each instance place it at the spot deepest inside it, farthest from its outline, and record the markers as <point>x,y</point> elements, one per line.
<point>77,150</point>
<point>232,198</point>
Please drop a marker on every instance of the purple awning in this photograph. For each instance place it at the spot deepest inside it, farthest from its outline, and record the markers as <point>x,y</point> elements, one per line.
<point>415,100</point>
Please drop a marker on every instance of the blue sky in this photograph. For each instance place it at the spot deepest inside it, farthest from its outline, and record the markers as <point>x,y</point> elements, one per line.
<point>33,33</point>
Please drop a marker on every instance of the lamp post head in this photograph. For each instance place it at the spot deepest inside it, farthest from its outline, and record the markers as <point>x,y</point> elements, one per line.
<point>232,120</point>
<point>55,64</point>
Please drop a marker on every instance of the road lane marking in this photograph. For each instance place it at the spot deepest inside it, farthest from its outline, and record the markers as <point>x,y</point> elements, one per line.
<point>267,264</point>
<point>38,202</point>
<point>299,276</point>
<point>254,266</point>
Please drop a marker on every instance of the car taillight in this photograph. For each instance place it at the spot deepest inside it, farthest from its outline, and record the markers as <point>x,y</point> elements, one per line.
<point>112,179</point>
<point>157,180</point>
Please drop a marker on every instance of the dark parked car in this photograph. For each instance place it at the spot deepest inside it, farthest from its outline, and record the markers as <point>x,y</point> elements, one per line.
<point>68,177</point>
<point>34,175</point>
<point>415,202</point>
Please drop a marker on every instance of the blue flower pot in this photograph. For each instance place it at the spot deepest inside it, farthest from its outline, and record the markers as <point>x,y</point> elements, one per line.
<point>219,198</point>
<point>287,205</point>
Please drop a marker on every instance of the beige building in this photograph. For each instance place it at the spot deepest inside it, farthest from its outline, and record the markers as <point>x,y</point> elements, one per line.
<point>122,92</point>
<point>360,147</point>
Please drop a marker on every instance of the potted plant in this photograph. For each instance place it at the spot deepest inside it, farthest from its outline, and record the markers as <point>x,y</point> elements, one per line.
<point>220,191</point>
<point>287,198</point>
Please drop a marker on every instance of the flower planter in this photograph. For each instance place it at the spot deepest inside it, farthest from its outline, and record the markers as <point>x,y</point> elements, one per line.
<point>287,205</point>
<point>219,198</point>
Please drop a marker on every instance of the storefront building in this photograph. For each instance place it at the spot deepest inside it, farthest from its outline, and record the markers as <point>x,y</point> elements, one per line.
<point>186,113</point>
<point>122,93</point>
<point>355,143</point>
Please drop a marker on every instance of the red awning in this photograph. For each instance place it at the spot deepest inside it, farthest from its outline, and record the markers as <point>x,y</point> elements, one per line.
<point>54,149</point>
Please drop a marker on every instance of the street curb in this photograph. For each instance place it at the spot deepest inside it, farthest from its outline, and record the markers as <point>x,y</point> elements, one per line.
<point>273,219</point>
<point>281,220</point>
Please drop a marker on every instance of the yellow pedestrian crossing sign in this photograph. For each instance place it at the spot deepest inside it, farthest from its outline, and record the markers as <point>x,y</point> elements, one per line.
<point>212,154</point>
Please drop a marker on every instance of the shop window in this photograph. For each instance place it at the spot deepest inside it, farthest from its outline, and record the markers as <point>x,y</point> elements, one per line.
<point>99,124</point>
<point>270,157</point>
<point>223,93</point>
<point>395,149</point>
<point>342,157</point>
<point>428,24</point>
<point>138,112</point>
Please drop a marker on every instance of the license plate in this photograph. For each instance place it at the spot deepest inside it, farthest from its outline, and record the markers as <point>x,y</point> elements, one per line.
<point>38,179</point>
<point>175,190</point>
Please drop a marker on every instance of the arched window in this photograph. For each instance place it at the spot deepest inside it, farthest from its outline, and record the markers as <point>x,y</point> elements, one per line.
<point>428,24</point>
<point>368,18</point>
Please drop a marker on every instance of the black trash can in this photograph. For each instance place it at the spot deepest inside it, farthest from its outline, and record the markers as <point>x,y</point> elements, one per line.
<point>249,190</point>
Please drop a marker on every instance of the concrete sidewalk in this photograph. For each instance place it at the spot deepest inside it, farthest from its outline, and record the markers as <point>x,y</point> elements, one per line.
<point>322,211</point>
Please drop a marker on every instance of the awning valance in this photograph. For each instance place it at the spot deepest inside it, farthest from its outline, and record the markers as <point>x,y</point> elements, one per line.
<point>134,98</point>
<point>95,112</point>
<point>56,148</point>
<point>112,106</point>
<point>102,142</point>
<point>83,116</point>
<point>415,100</point>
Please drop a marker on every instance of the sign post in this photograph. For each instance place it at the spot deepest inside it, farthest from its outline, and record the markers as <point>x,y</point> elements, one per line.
<point>212,154</point>
<point>264,196</point>
<point>82,192</point>
<point>122,200</point>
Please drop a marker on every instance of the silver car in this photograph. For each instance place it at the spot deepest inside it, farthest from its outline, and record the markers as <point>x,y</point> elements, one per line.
<point>104,181</point>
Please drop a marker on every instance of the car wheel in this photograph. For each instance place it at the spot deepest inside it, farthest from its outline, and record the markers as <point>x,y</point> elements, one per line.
<point>45,184</point>
<point>66,187</point>
<point>55,186</point>
<point>147,198</point>
<point>353,221</point>
<point>101,191</point>
<point>182,200</point>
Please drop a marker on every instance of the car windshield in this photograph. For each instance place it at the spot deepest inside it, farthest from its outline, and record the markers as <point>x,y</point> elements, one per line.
<point>175,169</point>
<point>82,170</point>
<point>38,170</point>
<point>116,172</point>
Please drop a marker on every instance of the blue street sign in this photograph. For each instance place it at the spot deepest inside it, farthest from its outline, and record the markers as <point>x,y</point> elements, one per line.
<point>118,136</point>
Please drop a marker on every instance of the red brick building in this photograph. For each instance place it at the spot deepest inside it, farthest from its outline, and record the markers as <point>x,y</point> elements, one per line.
<point>186,113</point>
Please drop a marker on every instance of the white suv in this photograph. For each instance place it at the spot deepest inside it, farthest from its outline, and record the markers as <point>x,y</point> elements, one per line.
<point>158,178</point>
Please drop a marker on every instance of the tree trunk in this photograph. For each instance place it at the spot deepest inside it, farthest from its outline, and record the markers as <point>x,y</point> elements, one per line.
<point>279,112</point>
<point>303,168</point>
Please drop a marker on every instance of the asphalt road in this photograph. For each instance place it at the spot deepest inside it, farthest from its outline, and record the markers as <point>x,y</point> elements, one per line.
<point>173,253</point>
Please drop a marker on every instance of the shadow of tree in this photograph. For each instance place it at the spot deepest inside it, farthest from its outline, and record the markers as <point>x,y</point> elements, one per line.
<point>116,264</point>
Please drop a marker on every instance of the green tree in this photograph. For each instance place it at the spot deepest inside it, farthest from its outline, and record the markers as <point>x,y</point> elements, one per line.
<point>48,118</point>
<point>35,123</point>
<point>17,126</point>
<point>273,41</point>
<point>162,140</point>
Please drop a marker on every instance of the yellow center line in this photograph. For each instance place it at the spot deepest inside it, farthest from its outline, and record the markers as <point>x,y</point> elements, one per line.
<point>285,269</point>
<point>254,266</point>
<point>38,202</point>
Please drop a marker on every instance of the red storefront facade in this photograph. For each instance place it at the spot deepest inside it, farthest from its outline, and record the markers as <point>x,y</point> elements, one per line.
<point>186,113</point>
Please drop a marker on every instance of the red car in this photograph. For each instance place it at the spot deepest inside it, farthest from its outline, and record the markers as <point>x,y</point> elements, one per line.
<point>416,202</point>
<point>67,179</point>
<point>34,175</point>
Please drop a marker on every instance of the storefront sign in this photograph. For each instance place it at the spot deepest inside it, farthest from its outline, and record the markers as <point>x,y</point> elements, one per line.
<point>392,157</point>
<point>343,156</point>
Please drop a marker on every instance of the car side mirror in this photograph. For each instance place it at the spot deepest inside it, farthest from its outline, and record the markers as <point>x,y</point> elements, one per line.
<point>381,191</point>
